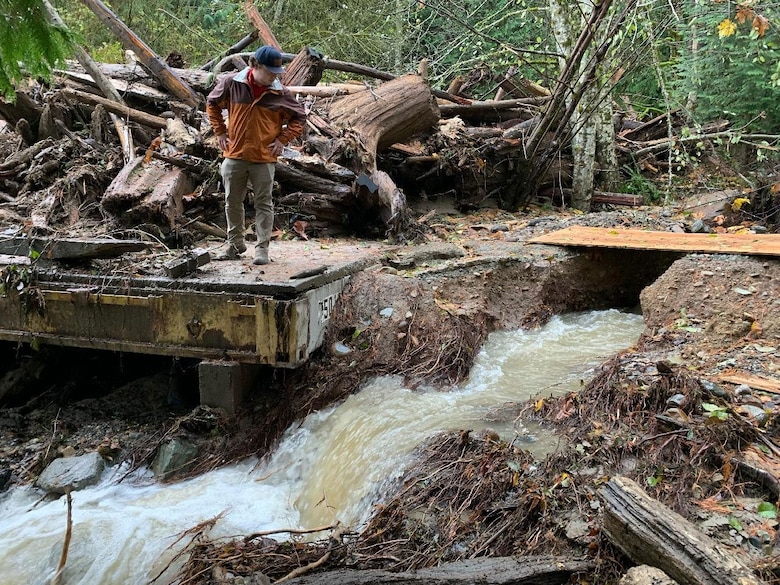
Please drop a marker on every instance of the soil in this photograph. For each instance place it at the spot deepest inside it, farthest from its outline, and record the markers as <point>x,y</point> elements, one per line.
<point>707,317</point>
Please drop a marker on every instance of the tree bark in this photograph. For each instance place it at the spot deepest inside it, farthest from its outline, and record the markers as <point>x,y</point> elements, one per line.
<point>375,119</point>
<point>652,534</point>
<point>305,69</point>
<point>112,106</point>
<point>592,140</point>
<point>262,27</point>
<point>156,65</point>
<point>489,571</point>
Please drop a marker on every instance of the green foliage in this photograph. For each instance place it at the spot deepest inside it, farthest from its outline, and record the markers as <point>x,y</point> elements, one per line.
<point>714,412</point>
<point>733,76</point>
<point>638,184</point>
<point>197,29</point>
<point>459,36</point>
<point>29,45</point>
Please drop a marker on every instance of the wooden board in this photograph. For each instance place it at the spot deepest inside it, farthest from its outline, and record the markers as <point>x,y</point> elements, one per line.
<point>753,244</point>
<point>753,380</point>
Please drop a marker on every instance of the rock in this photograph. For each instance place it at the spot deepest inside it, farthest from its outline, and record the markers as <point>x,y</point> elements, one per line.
<point>174,456</point>
<point>340,348</point>
<point>71,472</point>
<point>760,415</point>
<point>646,575</point>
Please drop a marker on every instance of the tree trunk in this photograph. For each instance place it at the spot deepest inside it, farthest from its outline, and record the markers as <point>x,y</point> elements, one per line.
<point>590,125</point>
<point>305,69</point>
<point>375,119</point>
<point>490,571</point>
<point>650,533</point>
<point>156,65</point>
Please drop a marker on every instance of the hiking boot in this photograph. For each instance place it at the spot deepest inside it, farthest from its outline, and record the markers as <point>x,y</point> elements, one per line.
<point>230,252</point>
<point>261,256</point>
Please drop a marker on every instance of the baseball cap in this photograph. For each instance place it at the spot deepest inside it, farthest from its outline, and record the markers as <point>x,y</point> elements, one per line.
<point>270,57</point>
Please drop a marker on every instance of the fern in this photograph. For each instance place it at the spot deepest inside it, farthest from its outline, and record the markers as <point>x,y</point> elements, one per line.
<point>29,44</point>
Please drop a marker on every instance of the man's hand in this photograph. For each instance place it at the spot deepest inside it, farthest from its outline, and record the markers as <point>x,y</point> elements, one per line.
<point>223,141</point>
<point>276,147</point>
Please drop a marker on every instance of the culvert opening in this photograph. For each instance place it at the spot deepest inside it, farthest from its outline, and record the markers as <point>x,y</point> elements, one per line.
<point>603,278</point>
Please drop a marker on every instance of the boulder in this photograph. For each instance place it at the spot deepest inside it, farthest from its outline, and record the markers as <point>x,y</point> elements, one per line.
<point>174,456</point>
<point>72,473</point>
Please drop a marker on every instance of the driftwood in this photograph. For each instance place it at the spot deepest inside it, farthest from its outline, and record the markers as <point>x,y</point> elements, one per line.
<point>146,191</point>
<point>489,571</point>
<point>650,533</point>
<point>262,27</point>
<point>112,106</point>
<point>305,69</point>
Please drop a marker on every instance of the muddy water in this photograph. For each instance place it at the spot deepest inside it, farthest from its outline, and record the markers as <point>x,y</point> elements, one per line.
<point>333,465</point>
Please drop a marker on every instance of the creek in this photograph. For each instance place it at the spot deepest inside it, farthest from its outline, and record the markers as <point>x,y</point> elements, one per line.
<point>334,465</point>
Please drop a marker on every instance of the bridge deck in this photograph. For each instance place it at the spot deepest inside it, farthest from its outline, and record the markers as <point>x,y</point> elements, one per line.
<point>752,244</point>
<point>273,314</point>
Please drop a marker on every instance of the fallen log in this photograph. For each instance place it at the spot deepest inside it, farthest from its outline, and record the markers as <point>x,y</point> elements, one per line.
<point>150,60</point>
<point>488,571</point>
<point>604,197</point>
<point>650,533</point>
<point>147,192</point>
<point>136,91</point>
<point>305,69</point>
<point>294,178</point>
<point>375,119</point>
<point>112,106</point>
<point>69,248</point>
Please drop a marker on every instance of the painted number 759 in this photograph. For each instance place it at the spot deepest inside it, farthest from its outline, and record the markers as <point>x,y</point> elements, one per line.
<point>326,307</point>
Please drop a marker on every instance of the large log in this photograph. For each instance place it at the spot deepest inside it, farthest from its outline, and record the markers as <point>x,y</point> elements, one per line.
<point>650,533</point>
<point>112,106</point>
<point>305,69</point>
<point>147,192</point>
<point>488,571</point>
<point>153,62</point>
<point>262,27</point>
<point>392,112</point>
<point>294,178</point>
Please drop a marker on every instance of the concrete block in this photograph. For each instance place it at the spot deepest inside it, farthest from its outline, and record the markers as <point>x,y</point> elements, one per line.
<point>223,384</point>
<point>188,262</point>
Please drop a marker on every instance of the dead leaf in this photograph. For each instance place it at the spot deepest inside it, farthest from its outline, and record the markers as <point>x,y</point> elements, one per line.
<point>299,227</point>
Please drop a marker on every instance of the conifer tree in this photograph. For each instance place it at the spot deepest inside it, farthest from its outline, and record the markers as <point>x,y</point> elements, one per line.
<point>29,43</point>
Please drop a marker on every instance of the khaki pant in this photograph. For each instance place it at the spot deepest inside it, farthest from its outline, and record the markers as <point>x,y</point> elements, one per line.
<point>237,175</point>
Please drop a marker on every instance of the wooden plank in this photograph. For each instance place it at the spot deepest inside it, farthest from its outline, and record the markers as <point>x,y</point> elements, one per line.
<point>754,381</point>
<point>70,248</point>
<point>753,244</point>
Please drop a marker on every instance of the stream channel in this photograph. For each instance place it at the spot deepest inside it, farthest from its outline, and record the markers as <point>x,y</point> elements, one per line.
<point>333,465</point>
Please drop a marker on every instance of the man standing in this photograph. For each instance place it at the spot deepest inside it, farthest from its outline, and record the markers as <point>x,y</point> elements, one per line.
<point>262,117</point>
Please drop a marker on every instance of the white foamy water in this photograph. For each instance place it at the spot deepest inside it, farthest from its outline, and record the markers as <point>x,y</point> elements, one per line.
<point>332,466</point>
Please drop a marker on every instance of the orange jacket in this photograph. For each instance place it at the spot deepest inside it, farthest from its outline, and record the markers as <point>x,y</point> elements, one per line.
<point>253,124</point>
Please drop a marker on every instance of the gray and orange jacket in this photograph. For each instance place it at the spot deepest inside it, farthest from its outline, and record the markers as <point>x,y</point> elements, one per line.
<point>253,124</point>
